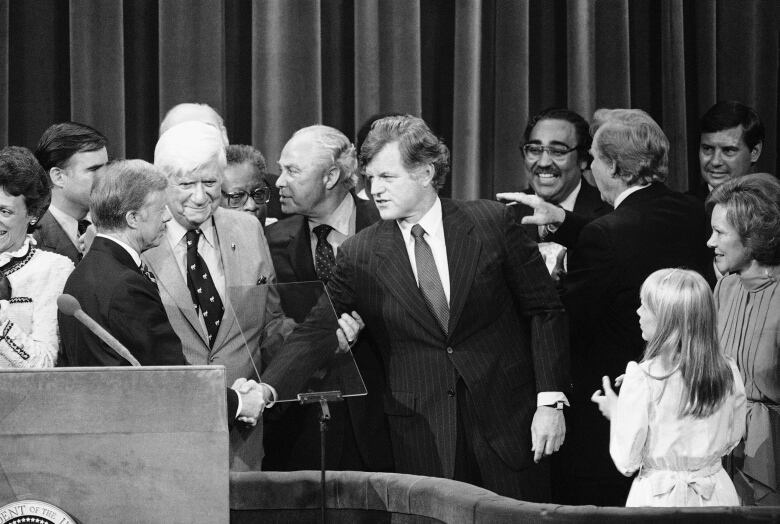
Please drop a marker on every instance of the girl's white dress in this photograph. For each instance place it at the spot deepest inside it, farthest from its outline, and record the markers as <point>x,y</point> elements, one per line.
<point>679,459</point>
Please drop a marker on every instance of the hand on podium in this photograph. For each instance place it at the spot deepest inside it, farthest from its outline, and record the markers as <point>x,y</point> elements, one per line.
<point>349,329</point>
<point>254,398</point>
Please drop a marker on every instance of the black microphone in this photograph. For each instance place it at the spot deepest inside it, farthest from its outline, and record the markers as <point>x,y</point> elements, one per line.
<point>71,307</point>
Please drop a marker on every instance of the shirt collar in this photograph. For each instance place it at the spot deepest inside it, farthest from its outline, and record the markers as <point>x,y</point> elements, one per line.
<point>62,217</point>
<point>431,222</point>
<point>176,231</point>
<point>622,196</point>
<point>568,202</point>
<point>132,252</point>
<point>340,219</point>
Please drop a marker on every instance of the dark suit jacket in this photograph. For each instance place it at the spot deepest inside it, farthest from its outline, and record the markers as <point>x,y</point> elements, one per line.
<point>113,291</point>
<point>51,237</point>
<point>587,207</point>
<point>651,229</point>
<point>507,335</point>
<point>292,441</point>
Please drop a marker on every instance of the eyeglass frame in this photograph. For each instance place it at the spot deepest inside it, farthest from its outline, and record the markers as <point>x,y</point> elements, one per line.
<point>555,155</point>
<point>243,195</point>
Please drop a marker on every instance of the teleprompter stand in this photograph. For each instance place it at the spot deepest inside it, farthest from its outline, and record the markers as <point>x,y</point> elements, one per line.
<point>317,371</point>
<point>322,398</point>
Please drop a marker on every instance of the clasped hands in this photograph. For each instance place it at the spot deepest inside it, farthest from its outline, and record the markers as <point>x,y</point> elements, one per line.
<point>254,397</point>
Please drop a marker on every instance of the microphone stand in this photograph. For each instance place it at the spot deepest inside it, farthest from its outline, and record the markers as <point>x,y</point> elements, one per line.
<point>322,398</point>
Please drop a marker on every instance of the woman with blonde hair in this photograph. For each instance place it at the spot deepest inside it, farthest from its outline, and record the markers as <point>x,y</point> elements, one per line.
<point>682,407</point>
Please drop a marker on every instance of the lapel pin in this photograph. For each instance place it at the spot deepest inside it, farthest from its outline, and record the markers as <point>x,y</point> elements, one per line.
<point>232,246</point>
<point>262,280</point>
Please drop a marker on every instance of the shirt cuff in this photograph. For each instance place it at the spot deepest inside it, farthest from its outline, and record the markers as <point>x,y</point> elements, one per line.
<point>545,398</point>
<point>274,396</point>
<point>238,412</point>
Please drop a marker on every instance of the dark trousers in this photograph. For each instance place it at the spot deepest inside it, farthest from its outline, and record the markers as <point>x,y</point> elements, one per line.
<point>477,463</point>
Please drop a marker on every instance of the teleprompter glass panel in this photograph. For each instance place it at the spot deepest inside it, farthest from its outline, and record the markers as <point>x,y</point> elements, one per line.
<point>298,327</point>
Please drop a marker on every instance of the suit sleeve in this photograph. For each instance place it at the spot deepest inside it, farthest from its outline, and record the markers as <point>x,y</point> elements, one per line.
<point>535,293</point>
<point>588,279</point>
<point>313,342</point>
<point>138,320</point>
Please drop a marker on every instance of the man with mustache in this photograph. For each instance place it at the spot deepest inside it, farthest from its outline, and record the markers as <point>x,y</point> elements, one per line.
<point>555,153</point>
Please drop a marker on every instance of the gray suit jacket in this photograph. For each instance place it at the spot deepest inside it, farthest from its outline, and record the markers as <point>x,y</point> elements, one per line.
<point>252,317</point>
<point>51,237</point>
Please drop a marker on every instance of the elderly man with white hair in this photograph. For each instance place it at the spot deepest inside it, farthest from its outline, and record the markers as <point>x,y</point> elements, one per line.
<point>207,263</point>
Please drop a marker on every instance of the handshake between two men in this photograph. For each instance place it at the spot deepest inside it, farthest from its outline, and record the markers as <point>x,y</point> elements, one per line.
<point>254,397</point>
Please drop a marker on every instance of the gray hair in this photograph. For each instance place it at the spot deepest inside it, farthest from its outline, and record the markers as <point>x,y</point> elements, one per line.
<point>120,187</point>
<point>632,141</point>
<point>337,149</point>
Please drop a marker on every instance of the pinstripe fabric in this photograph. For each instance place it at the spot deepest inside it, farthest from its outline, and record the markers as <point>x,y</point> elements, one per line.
<point>507,335</point>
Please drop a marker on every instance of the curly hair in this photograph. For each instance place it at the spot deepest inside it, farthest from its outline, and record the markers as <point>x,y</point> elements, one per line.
<point>21,174</point>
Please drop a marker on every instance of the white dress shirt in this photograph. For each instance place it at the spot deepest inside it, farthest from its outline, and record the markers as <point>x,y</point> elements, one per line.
<point>622,196</point>
<point>130,251</point>
<point>342,220</point>
<point>432,223</point>
<point>208,248</point>
<point>69,224</point>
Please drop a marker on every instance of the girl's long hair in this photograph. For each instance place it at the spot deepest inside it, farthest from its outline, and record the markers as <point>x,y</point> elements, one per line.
<point>684,308</point>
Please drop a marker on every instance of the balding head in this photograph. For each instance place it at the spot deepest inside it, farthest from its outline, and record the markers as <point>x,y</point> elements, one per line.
<point>189,112</point>
<point>318,167</point>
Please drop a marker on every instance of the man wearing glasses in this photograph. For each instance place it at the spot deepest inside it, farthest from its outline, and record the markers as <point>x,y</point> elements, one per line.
<point>555,153</point>
<point>244,186</point>
<point>318,170</point>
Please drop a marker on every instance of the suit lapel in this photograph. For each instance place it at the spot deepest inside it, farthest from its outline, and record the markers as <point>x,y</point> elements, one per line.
<point>229,252</point>
<point>165,266</point>
<point>395,273</point>
<point>462,256</point>
<point>299,253</point>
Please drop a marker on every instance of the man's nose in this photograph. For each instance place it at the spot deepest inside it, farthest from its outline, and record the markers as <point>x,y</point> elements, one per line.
<point>199,193</point>
<point>250,204</point>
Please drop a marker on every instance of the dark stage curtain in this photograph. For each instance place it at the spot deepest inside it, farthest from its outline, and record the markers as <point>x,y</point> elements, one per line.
<point>474,69</point>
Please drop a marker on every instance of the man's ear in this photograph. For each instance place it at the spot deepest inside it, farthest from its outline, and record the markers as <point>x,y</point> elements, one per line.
<point>57,176</point>
<point>756,152</point>
<point>131,218</point>
<point>332,177</point>
<point>426,174</point>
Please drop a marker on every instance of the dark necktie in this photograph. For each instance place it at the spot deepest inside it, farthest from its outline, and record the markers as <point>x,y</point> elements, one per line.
<point>83,225</point>
<point>324,260</point>
<point>430,282</point>
<point>202,287</point>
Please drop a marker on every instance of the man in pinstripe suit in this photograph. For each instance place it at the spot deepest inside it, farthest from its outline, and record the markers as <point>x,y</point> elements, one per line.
<point>475,359</point>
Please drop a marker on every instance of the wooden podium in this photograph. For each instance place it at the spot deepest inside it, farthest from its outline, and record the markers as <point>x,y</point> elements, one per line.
<point>118,444</point>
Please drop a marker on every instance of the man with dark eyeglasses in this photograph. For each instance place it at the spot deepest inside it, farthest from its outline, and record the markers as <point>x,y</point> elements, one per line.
<point>559,201</point>
<point>244,186</point>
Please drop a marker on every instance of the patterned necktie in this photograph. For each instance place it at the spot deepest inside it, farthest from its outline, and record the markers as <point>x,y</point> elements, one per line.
<point>430,283</point>
<point>324,260</point>
<point>144,269</point>
<point>202,287</point>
